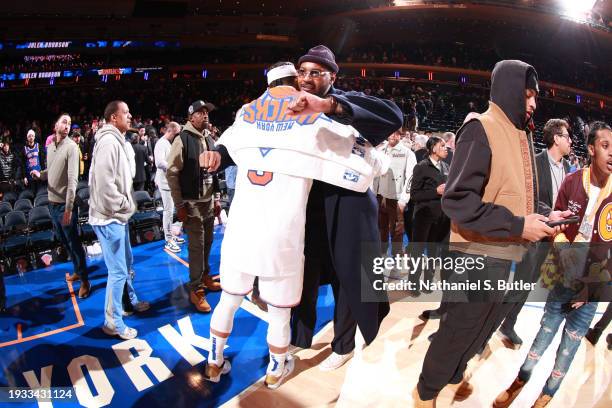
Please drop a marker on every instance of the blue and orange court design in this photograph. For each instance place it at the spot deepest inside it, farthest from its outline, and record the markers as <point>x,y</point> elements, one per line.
<point>50,338</point>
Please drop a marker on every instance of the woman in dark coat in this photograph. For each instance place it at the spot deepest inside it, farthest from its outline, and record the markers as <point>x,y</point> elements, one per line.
<point>430,225</point>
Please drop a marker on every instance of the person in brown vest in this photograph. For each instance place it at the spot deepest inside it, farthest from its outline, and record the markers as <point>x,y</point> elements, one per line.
<point>196,196</point>
<point>491,199</point>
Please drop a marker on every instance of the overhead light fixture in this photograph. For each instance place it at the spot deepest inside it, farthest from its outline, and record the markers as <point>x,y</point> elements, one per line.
<point>577,8</point>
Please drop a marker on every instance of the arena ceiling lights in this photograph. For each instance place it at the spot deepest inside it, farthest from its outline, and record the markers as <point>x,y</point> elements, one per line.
<point>577,9</point>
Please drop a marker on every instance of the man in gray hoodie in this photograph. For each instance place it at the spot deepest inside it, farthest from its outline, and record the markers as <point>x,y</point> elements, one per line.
<point>111,205</point>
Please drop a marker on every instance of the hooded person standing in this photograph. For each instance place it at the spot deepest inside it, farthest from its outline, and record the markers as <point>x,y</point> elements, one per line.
<point>111,204</point>
<point>492,201</point>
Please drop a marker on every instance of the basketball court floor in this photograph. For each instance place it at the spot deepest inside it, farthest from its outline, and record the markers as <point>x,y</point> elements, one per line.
<point>52,338</point>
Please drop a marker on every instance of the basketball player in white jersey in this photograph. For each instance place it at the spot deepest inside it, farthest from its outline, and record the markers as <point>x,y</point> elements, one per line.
<point>267,223</point>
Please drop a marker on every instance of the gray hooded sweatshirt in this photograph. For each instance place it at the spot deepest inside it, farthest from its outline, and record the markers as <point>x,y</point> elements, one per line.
<point>110,178</point>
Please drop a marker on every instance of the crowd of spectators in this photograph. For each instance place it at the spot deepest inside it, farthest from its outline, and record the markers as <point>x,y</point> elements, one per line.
<point>552,68</point>
<point>426,108</point>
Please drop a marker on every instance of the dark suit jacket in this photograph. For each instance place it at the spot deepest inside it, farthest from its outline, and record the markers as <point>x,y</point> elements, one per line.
<point>351,218</point>
<point>141,158</point>
<point>545,184</point>
<point>421,154</point>
<point>425,179</point>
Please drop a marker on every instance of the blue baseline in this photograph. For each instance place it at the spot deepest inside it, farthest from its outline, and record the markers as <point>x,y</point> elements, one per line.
<point>39,301</point>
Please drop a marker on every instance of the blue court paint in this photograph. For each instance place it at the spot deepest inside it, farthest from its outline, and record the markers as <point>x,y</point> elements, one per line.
<point>39,301</point>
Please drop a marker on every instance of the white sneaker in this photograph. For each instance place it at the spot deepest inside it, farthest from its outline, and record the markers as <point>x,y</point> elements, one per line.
<point>213,373</point>
<point>127,334</point>
<point>334,361</point>
<point>178,239</point>
<point>273,382</point>
<point>172,246</point>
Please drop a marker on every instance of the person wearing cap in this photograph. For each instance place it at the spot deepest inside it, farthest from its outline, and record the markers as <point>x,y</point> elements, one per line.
<point>342,236</point>
<point>491,199</point>
<point>196,196</point>
<point>33,160</point>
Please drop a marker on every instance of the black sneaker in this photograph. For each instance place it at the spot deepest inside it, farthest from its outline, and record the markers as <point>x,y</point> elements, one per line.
<point>593,336</point>
<point>510,339</point>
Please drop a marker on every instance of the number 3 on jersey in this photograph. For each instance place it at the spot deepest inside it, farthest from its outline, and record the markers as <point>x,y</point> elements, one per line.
<point>260,178</point>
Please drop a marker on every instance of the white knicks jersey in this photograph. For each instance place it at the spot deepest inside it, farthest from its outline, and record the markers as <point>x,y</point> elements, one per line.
<point>264,235</point>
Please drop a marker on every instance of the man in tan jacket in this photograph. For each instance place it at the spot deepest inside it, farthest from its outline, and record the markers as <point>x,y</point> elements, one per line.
<point>195,194</point>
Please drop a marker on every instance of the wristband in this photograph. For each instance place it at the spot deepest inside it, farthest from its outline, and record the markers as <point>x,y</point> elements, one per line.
<point>334,105</point>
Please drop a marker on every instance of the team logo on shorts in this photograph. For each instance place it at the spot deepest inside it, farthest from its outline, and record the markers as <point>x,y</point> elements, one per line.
<point>605,223</point>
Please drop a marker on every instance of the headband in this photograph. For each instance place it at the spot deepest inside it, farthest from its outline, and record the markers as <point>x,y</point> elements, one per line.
<point>281,72</point>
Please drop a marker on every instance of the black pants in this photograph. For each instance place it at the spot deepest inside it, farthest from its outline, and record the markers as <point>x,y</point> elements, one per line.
<point>408,218</point>
<point>428,232</point>
<point>318,269</point>
<point>528,271</point>
<point>139,186</point>
<point>601,325</point>
<point>464,329</point>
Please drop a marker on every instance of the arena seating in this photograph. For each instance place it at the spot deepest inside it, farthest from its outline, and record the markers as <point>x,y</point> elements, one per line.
<point>145,224</point>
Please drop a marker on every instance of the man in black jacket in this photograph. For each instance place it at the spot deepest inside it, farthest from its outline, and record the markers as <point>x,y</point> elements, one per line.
<point>141,158</point>
<point>491,199</point>
<point>342,234</point>
<point>552,168</point>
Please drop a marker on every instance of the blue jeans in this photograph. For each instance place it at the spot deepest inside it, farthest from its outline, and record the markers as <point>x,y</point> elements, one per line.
<point>69,237</point>
<point>115,242</point>
<point>577,323</point>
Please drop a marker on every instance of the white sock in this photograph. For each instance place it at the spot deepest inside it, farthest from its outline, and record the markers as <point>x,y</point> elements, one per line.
<point>276,364</point>
<point>222,321</point>
<point>216,350</point>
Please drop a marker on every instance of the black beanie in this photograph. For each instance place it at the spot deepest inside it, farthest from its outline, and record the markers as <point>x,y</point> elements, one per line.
<point>320,55</point>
